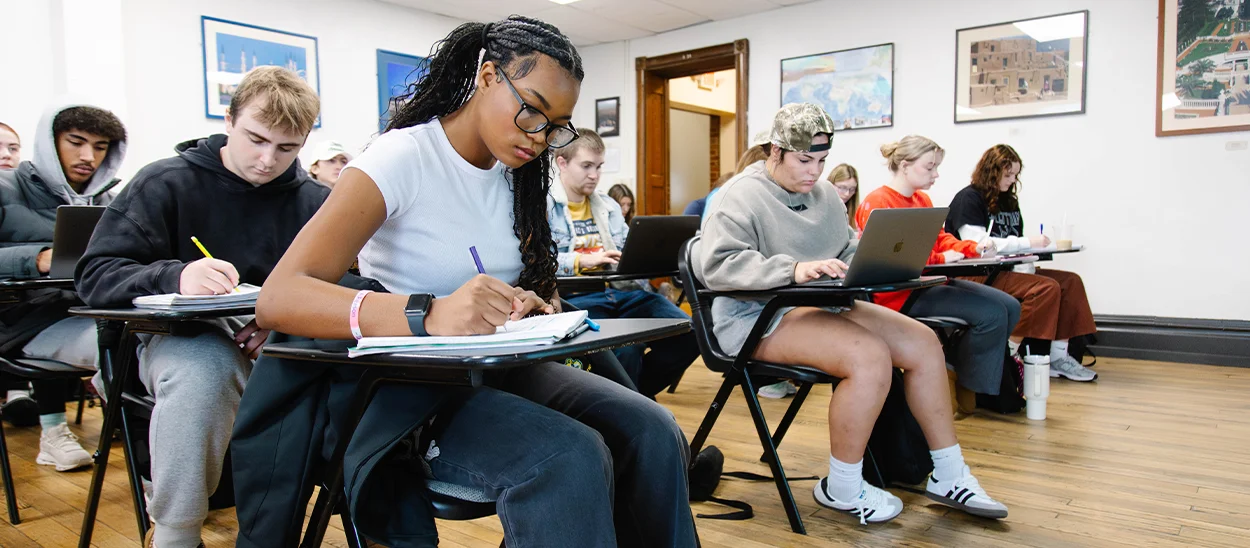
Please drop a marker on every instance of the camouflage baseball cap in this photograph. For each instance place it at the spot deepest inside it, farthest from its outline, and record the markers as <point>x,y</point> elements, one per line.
<point>797,123</point>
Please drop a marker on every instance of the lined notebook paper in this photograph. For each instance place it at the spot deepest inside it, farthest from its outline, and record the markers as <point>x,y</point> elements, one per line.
<point>532,331</point>
<point>245,296</point>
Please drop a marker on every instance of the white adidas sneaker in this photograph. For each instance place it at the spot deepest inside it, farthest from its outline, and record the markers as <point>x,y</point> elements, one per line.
<point>965,493</point>
<point>59,447</point>
<point>778,390</point>
<point>873,505</point>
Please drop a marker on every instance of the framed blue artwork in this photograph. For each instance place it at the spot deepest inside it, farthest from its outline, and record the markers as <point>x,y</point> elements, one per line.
<point>396,73</point>
<point>231,49</point>
<point>855,86</point>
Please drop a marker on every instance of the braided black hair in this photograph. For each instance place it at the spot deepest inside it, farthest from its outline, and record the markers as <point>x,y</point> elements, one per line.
<point>510,44</point>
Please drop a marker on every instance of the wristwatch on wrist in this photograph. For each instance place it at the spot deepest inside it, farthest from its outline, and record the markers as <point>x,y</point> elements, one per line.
<point>418,307</point>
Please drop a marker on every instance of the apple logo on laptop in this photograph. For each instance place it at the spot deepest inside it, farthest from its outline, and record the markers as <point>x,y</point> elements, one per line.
<point>898,247</point>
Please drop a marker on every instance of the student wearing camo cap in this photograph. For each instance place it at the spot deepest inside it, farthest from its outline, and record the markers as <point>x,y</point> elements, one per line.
<point>775,225</point>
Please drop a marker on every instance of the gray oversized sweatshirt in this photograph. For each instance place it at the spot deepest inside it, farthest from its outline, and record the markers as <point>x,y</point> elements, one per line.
<point>754,234</point>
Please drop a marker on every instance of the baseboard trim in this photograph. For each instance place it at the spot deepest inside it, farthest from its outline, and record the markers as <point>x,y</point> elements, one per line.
<point>1181,340</point>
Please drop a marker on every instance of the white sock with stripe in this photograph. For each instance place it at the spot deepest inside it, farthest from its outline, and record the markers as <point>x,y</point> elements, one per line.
<point>845,480</point>
<point>948,463</point>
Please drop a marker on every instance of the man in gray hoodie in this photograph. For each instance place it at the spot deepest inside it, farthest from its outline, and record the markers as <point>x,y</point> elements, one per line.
<point>78,149</point>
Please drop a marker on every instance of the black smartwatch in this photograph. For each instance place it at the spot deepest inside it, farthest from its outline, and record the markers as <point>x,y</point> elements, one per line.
<point>418,307</point>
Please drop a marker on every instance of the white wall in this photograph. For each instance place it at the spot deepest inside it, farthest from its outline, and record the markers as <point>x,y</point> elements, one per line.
<point>689,158</point>
<point>1163,217</point>
<point>164,74</point>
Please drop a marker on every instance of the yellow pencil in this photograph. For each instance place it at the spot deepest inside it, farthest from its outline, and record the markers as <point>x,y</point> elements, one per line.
<point>204,250</point>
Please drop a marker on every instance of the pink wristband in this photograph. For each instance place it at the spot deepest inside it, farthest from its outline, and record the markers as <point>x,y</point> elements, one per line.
<point>353,318</point>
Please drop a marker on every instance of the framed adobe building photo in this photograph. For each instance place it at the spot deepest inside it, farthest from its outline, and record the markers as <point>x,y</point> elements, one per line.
<point>1021,69</point>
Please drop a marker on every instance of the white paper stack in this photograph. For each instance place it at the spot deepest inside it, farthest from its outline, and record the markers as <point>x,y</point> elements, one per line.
<point>533,331</point>
<point>244,295</point>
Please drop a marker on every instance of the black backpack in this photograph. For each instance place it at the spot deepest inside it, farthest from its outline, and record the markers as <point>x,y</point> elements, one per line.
<point>1010,398</point>
<point>898,450</point>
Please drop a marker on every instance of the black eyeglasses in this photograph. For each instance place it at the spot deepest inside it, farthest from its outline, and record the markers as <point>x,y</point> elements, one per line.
<point>532,120</point>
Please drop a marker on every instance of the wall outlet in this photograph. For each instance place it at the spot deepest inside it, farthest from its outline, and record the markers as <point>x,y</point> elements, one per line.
<point>1235,145</point>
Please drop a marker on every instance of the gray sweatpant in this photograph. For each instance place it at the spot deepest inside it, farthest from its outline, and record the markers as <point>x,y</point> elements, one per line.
<point>197,379</point>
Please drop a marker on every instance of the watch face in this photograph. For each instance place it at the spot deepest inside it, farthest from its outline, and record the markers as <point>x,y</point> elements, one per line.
<point>418,304</point>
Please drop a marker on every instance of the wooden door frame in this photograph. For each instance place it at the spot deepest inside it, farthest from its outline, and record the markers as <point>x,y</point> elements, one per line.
<point>654,73</point>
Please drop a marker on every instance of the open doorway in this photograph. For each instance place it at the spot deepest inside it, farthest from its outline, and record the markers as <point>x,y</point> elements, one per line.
<point>702,134</point>
<point>656,113</point>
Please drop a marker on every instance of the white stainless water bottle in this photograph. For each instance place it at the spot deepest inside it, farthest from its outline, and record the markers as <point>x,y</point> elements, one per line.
<point>1036,386</point>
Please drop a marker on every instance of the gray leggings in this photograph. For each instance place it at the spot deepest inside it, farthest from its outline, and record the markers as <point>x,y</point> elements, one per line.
<point>197,379</point>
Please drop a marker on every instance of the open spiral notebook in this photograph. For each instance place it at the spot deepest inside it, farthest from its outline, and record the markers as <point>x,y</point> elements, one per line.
<point>244,295</point>
<point>532,331</point>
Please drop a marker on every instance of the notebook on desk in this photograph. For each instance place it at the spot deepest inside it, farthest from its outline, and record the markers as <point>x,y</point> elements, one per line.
<point>533,331</point>
<point>1020,257</point>
<point>1048,249</point>
<point>245,295</point>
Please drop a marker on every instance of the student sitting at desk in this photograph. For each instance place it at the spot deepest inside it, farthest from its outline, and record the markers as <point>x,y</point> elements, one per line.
<point>775,225</point>
<point>571,459</point>
<point>989,313</point>
<point>1055,305</point>
<point>78,149</point>
<point>244,196</point>
<point>589,232</point>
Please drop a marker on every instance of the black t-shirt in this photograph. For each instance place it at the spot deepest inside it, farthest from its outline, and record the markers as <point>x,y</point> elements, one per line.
<point>968,208</point>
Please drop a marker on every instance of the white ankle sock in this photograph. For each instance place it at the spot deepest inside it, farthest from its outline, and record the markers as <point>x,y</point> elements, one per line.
<point>1058,350</point>
<point>845,480</point>
<point>1014,347</point>
<point>947,463</point>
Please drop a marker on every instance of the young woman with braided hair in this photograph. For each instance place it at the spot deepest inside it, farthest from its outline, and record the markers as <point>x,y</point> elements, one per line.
<point>572,459</point>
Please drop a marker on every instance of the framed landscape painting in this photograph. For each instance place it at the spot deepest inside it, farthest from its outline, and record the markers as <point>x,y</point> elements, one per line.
<point>396,72</point>
<point>855,86</point>
<point>1021,69</point>
<point>231,49</point>
<point>1204,67</point>
<point>608,117</point>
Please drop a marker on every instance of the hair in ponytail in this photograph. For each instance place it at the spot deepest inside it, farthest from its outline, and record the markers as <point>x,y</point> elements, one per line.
<point>511,44</point>
<point>909,149</point>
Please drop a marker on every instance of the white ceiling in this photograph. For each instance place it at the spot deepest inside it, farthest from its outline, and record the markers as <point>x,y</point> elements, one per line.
<point>589,22</point>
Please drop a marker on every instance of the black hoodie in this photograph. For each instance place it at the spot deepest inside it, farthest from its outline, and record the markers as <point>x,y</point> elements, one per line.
<point>144,237</point>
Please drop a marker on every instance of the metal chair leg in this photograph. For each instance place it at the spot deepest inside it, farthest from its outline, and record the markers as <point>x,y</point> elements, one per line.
<point>112,411</point>
<point>770,451</point>
<point>82,400</point>
<point>709,420</point>
<point>10,496</point>
<point>791,413</point>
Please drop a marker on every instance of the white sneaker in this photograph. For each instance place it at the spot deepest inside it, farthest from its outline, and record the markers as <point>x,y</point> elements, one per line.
<point>1068,368</point>
<point>965,493</point>
<point>59,447</point>
<point>873,505</point>
<point>777,391</point>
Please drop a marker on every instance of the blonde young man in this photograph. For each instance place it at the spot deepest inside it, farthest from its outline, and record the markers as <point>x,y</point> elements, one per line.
<point>245,197</point>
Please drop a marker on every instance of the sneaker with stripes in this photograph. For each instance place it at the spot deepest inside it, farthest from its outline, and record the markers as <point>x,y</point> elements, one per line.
<point>965,493</point>
<point>873,505</point>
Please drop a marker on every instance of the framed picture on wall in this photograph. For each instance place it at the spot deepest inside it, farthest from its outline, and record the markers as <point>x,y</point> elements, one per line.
<point>855,86</point>
<point>1021,69</point>
<point>1204,67</point>
<point>396,72</point>
<point>608,117</point>
<point>231,49</point>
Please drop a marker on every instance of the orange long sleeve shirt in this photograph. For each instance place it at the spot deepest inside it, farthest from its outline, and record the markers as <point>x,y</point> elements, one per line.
<point>886,197</point>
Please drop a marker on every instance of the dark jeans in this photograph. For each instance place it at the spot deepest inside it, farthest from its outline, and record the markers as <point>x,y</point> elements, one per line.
<point>50,395</point>
<point>668,359</point>
<point>592,464</point>
<point>991,315</point>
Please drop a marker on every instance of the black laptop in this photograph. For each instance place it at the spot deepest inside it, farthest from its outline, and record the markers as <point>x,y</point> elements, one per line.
<point>654,243</point>
<point>74,225</point>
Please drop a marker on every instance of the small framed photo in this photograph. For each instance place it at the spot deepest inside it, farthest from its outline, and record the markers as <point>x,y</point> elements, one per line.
<point>1204,67</point>
<point>231,49</point>
<point>396,73</point>
<point>1021,69</point>
<point>608,117</point>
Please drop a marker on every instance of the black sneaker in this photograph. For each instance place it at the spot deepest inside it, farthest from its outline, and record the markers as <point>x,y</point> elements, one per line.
<point>20,411</point>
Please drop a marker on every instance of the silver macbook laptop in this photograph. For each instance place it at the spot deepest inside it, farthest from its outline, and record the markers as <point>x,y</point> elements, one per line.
<point>895,246</point>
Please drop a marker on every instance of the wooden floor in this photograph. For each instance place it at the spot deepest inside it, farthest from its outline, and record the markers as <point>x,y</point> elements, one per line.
<point>1152,454</point>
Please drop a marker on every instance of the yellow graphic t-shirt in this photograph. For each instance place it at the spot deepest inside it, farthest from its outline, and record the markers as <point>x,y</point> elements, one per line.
<point>585,232</point>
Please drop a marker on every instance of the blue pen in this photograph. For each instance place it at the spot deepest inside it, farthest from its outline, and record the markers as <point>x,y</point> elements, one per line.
<point>477,260</point>
<point>592,325</point>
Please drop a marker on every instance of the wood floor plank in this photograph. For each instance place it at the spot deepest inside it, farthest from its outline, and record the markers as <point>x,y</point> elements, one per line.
<point>1151,454</point>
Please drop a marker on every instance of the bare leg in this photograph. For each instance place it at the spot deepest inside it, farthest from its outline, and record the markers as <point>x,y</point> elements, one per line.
<point>916,350</point>
<point>834,344</point>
